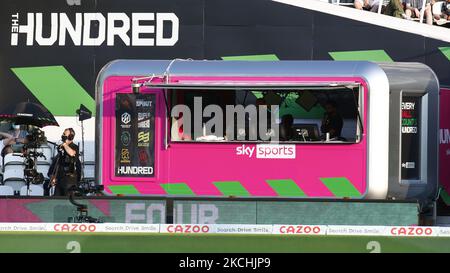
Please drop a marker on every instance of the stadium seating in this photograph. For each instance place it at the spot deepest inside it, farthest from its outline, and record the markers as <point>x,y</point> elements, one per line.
<point>35,190</point>
<point>11,159</point>
<point>12,168</point>
<point>48,153</point>
<point>13,172</point>
<point>341,2</point>
<point>43,168</point>
<point>13,176</point>
<point>89,169</point>
<point>6,191</point>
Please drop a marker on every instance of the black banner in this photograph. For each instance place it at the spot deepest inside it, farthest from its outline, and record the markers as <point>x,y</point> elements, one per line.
<point>54,33</point>
<point>135,135</point>
<point>411,107</point>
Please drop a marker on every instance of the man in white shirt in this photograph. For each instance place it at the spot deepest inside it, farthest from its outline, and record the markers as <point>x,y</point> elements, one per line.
<point>371,5</point>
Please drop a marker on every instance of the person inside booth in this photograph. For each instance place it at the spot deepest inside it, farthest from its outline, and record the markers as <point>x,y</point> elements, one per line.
<point>332,121</point>
<point>286,130</point>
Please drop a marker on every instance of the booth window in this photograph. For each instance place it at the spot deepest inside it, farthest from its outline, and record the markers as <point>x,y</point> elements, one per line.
<point>325,114</point>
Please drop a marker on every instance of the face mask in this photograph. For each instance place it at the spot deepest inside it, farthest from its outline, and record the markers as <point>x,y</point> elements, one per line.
<point>63,138</point>
<point>16,127</point>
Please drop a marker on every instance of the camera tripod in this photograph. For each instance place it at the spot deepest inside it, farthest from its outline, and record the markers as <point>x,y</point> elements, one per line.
<point>82,214</point>
<point>31,175</point>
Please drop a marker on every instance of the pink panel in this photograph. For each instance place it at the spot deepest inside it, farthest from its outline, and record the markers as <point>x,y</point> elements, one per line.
<point>444,147</point>
<point>200,164</point>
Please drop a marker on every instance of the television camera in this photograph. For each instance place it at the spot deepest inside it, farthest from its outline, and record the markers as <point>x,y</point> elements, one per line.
<point>85,187</point>
<point>28,150</point>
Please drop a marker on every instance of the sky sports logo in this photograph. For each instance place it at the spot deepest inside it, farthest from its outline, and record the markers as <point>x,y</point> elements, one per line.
<point>267,151</point>
<point>95,29</point>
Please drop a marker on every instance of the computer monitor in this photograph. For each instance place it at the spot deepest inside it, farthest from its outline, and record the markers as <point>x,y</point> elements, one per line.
<point>306,132</point>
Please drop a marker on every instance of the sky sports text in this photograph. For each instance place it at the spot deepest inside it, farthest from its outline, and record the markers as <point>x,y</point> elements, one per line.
<point>267,151</point>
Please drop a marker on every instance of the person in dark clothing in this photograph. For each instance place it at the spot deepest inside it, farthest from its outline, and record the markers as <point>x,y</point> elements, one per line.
<point>332,122</point>
<point>286,130</point>
<point>65,170</point>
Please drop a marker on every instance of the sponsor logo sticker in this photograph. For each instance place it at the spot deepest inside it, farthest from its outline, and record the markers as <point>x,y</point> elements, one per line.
<point>143,116</point>
<point>143,103</point>
<point>143,139</point>
<point>144,124</point>
<point>126,118</point>
<point>143,157</point>
<point>125,156</point>
<point>125,138</point>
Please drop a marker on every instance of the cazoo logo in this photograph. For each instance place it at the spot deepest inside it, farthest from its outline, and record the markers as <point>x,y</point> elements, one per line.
<point>299,229</point>
<point>186,229</point>
<point>74,228</point>
<point>411,231</point>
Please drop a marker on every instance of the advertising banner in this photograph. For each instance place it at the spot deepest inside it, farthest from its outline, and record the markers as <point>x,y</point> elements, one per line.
<point>284,215</point>
<point>444,142</point>
<point>63,44</point>
<point>135,135</point>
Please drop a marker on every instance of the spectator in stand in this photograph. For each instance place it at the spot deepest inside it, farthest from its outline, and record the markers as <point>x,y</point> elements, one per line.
<point>371,5</point>
<point>16,135</point>
<point>414,7</point>
<point>441,11</point>
<point>395,8</point>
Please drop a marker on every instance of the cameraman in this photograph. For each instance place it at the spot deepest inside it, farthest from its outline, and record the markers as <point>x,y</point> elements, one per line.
<point>65,170</point>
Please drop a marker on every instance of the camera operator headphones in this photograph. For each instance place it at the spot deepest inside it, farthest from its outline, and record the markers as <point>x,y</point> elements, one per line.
<point>71,135</point>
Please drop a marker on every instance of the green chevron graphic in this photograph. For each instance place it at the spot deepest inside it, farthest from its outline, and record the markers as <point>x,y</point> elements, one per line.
<point>177,189</point>
<point>231,188</point>
<point>55,88</point>
<point>123,189</point>
<point>286,187</point>
<point>361,55</point>
<point>445,196</point>
<point>445,51</point>
<point>340,187</point>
